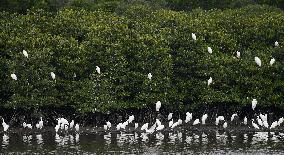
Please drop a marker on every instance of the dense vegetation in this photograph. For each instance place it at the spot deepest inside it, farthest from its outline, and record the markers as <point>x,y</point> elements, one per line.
<point>134,42</point>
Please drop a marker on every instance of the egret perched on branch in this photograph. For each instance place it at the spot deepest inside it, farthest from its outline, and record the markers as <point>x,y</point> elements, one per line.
<point>77,127</point>
<point>14,77</point>
<point>193,36</point>
<point>254,125</point>
<point>196,122</point>
<point>276,44</point>
<point>5,125</point>
<point>52,75</point>
<point>150,76</point>
<point>210,80</point>
<point>233,117</point>
<point>253,103</point>
<point>203,119</point>
<point>209,49</point>
<point>245,121</point>
<point>170,116</point>
<point>272,61</point>
<point>238,54</point>
<point>158,105</point>
<point>144,127</point>
<point>273,125</point>
<point>98,69</point>
<point>257,61</point>
<point>71,124</point>
<point>25,53</point>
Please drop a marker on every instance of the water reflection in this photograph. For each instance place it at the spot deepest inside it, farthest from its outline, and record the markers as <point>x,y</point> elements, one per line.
<point>151,143</point>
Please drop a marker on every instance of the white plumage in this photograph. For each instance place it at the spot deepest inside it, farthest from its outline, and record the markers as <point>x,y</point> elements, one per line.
<point>209,49</point>
<point>276,44</point>
<point>5,125</point>
<point>188,117</point>
<point>210,80</point>
<point>233,116</point>
<point>238,54</point>
<point>158,105</point>
<point>193,36</point>
<point>71,125</point>
<point>131,119</point>
<point>98,69</point>
<point>25,53</point>
<point>245,121</point>
<point>40,123</point>
<point>196,122</point>
<point>254,125</point>
<point>257,61</point>
<point>280,121</point>
<point>203,119</point>
<point>52,75</point>
<point>160,127</point>
<point>77,127</point>
<point>171,123</point>
<point>253,103</point>
<point>170,116</point>
<point>150,76</point>
<point>225,125</point>
<point>272,61</point>
<point>273,125</point>
<point>135,125</point>
<point>14,77</point>
<point>145,126</point>
<point>108,124</point>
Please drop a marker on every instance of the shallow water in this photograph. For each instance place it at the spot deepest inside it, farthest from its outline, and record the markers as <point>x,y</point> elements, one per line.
<point>167,142</point>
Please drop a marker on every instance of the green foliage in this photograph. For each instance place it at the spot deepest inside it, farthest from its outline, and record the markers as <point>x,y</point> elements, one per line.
<point>141,40</point>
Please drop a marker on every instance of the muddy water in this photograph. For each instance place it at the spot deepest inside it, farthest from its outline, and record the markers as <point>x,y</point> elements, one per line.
<point>166,142</point>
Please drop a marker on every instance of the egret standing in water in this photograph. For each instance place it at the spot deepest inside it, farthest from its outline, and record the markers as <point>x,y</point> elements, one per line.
<point>209,49</point>
<point>98,69</point>
<point>158,105</point>
<point>25,53</point>
<point>193,36</point>
<point>52,75</point>
<point>257,61</point>
<point>14,77</point>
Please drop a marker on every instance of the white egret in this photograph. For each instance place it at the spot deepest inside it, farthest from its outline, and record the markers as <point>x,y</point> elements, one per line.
<point>5,125</point>
<point>52,75</point>
<point>209,49</point>
<point>188,117</point>
<point>158,105</point>
<point>238,54</point>
<point>276,44</point>
<point>196,122</point>
<point>263,117</point>
<point>14,77</point>
<point>135,125</point>
<point>118,126</point>
<point>158,122</point>
<point>203,119</point>
<point>29,126</point>
<point>272,61</point>
<point>71,125</point>
<point>150,76</point>
<point>280,121</point>
<point>152,129</point>
<point>108,124</point>
<point>210,80</point>
<point>56,128</point>
<point>217,121</point>
<point>40,123</point>
<point>105,127</point>
<point>253,103</point>
<point>254,125</point>
<point>245,121</point>
<point>131,119</point>
<point>37,126</point>
<point>193,36</point>
<point>145,126</point>
<point>259,121</point>
<point>160,127</point>
<point>233,117</point>
<point>225,125</point>
<point>257,61</point>
<point>175,125</point>
<point>98,69</point>
<point>25,53</point>
<point>77,127</point>
<point>273,125</point>
<point>179,121</point>
<point>24,124</point>
<point>171,123</point>
<point>170,116</point>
